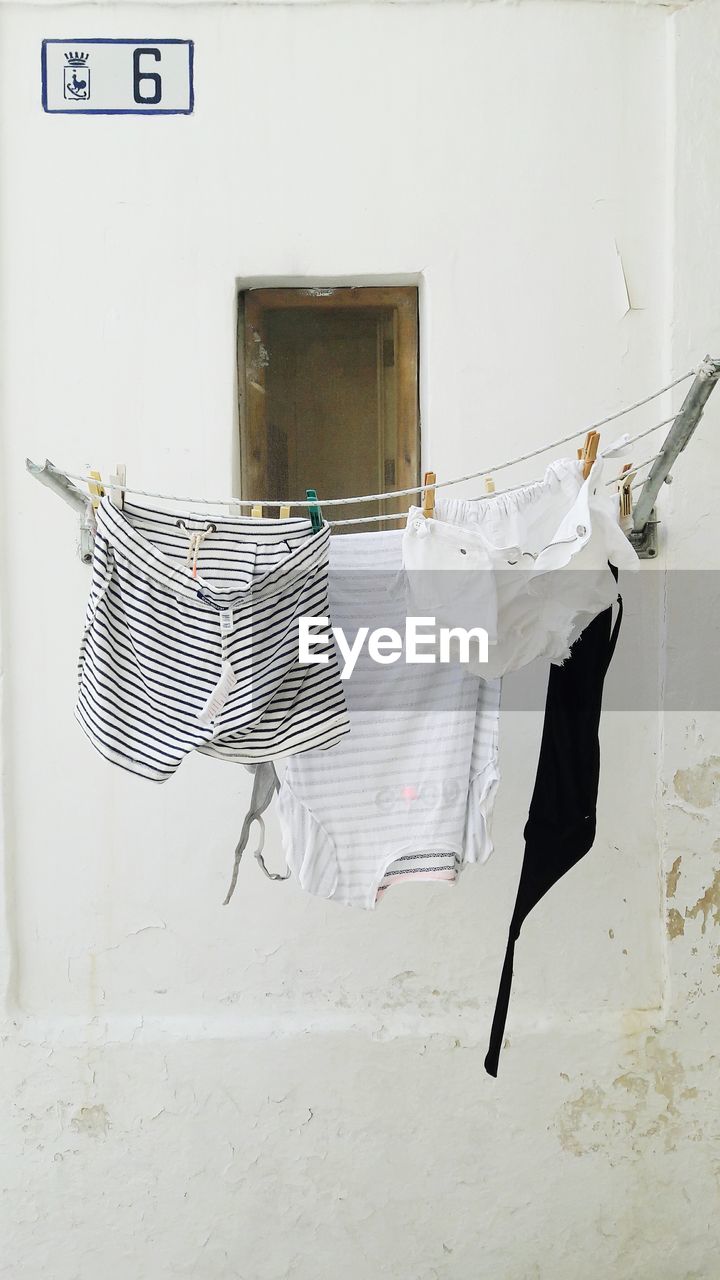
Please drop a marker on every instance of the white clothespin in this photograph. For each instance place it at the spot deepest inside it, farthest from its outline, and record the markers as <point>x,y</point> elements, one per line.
<point>117,486</point>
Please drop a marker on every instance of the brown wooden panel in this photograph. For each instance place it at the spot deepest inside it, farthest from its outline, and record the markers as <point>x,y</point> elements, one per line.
<point>329,394</point>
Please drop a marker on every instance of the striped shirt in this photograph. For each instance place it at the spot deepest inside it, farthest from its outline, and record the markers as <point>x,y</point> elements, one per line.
<point>173,661</point>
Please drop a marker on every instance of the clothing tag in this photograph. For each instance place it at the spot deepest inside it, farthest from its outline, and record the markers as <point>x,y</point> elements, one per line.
<point>219,695</point>
<point>226,621</point>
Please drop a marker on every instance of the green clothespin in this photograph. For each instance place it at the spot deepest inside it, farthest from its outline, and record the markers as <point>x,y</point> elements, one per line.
<point>314,510</point>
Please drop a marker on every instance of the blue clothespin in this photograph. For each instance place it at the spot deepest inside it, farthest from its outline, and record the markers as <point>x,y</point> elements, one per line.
<point>314,510</point>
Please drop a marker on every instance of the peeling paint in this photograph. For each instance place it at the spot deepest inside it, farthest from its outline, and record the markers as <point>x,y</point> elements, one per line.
<point>647,1100</point>
<point>671,880</point>
<point>93,1121</point>
<point>675,923</point>
<point>699,785</point>
<point>637,1085</point>
<point>577,1113</point>
<point>707,904</point>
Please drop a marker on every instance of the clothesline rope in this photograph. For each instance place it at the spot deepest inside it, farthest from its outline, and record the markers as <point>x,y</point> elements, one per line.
<point>402,515</point>
<point>400,493</point>
<point>636,466</point>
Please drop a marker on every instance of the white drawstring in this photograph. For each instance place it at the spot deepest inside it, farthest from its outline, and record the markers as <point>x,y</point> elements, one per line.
<point>196,538</point>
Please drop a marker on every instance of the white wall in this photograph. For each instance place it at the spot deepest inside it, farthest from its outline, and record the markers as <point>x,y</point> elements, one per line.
<point>283,1088</point>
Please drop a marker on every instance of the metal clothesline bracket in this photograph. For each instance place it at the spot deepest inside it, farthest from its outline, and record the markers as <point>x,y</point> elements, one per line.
<point>645,540</point>
<point>643,533</point>
<point>56,480</point>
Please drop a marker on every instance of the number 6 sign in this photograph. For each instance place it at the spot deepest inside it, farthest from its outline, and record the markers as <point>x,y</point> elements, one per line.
<point>94,76</point>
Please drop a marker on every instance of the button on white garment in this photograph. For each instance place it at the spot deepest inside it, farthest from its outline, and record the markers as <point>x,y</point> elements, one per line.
<point>562,522</point>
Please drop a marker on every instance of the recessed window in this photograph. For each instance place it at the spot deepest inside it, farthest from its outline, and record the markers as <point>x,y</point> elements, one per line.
<point>329,394</point>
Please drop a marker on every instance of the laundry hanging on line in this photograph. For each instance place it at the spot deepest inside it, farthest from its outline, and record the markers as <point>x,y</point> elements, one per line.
<point>400,783</point>
<point>191,643</point>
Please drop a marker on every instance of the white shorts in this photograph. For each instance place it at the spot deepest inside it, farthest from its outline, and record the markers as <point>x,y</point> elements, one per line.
<point>530,566</point>
<point>171,662</point>
<point>409,793</point>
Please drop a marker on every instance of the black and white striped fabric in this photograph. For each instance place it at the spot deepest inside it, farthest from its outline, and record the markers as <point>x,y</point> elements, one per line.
<point>157,641</point>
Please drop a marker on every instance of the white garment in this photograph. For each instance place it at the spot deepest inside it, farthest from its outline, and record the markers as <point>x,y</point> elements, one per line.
<point>529,566</point>
<point>409,793</point>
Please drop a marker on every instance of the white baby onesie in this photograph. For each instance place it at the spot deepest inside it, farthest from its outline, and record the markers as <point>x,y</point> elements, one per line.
<point>409,792</point>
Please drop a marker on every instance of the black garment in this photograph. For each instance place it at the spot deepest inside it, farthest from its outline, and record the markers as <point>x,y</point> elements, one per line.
<point>560,828</point>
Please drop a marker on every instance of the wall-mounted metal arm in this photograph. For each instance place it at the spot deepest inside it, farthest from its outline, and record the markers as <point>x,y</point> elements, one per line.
<point>56,480</point>
<point>680,432</point>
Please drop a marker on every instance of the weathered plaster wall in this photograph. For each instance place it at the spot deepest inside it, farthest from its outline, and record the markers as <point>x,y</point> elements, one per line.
<point>283,1088</point>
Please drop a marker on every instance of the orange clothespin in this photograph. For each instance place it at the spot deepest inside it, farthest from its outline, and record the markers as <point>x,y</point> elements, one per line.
<point>588,453</point>
<point>428,498</point>
<point>96,490</point>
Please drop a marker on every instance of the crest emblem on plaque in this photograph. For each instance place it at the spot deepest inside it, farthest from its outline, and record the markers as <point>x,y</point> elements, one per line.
<point>77,77</point>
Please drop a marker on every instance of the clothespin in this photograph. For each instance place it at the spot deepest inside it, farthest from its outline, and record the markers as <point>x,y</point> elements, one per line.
<point>117,486</point>
<point>284,512</point>
<point>234,508</point>
<point>588,453</point>
<point>256,512</point>
<point>489,484</point>
<point>428,498</point>
<point>314,511</point>
<point>96,489</point>
<point>626,498</point>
